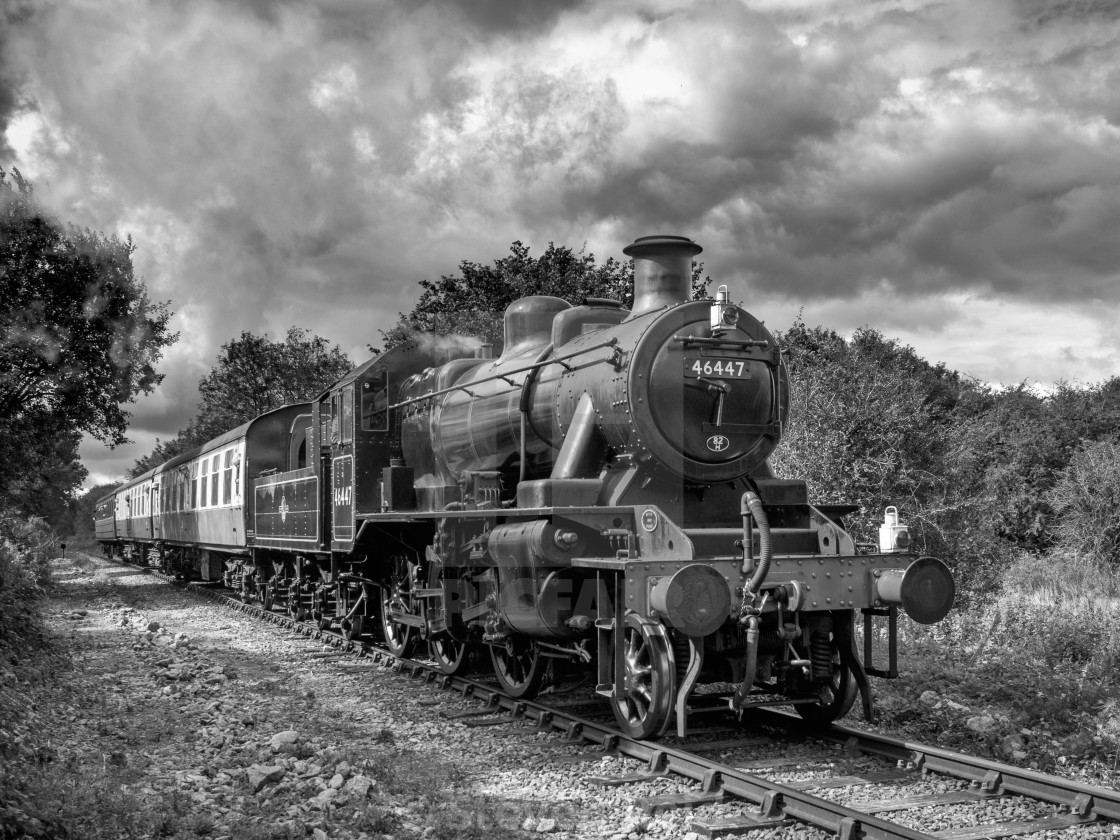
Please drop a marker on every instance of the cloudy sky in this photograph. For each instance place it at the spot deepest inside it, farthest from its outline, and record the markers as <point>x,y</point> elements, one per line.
<point>945,172</point>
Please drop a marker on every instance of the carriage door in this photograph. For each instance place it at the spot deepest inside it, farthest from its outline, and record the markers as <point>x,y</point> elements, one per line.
<point>156,530</point>
<point>342,467</point>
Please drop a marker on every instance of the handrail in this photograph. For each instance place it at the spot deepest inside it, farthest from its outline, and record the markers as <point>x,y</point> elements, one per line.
<point>559,360</point>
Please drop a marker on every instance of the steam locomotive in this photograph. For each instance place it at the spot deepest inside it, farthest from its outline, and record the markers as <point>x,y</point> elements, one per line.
<point>596,500</point>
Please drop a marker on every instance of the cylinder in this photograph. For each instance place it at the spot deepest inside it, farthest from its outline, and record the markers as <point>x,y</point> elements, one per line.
<point>662,271</point>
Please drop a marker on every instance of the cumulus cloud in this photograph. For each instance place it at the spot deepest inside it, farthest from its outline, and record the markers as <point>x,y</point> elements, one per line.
<point>306,163</point>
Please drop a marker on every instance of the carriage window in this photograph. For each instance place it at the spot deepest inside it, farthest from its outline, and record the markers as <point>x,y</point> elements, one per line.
<point>194,484</point>
<point>375,403</point>
<point>215,468</point>
<point>204,482</point>
<point>227,477</point>
<point>347,414</point>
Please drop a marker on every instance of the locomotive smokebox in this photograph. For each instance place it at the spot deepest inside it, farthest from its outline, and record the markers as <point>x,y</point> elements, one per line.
<point>662,271</point>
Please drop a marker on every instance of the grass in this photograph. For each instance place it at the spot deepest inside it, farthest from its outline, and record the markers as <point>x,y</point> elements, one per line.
<point>1039,658</point>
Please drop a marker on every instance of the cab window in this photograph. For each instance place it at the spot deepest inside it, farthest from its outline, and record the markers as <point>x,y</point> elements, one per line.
<point>336,417</point>
<point>348,414</point>
<point>375,403</point>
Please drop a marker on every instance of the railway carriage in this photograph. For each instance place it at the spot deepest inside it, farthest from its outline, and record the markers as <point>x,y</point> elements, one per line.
<point>194,513</point>
<point>596,500</point>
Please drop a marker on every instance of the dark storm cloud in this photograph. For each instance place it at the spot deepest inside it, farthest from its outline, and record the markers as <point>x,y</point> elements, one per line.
<point>307,163</point>
<point>13,14</point>
<point>502,16</point>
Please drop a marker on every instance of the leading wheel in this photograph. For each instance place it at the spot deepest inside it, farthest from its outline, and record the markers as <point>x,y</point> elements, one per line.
<point>400,637</point>
<point>519,666</point>
<point>836,698</point>
<point>352,628</point>
<point>644,700</point>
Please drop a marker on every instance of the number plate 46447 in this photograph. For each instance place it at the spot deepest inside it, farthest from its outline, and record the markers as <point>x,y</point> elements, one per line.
<point>716,368</point>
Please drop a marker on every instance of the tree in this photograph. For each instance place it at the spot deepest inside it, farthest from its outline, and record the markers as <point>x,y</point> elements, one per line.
<point>42,470</point>
<point>82,509</point>
<point>872,424</point>
<point>79,340</point>
<point>254,375</point>
<point>472,301</point>
<point>79,337</point>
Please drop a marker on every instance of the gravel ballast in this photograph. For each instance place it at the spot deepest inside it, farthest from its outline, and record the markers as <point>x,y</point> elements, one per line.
<point>178,717</point>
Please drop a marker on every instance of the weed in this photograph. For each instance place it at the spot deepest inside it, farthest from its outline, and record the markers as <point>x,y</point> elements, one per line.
<point>1040,657</point>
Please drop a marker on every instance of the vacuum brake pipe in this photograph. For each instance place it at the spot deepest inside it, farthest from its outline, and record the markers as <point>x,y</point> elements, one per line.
<point>751,508</point>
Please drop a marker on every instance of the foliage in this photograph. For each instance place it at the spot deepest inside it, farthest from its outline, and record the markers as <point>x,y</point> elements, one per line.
<point>1018,443</point>
<point>1038,660</point>
<point>870,424</point>
<point>254,375</point>
<point>40,453</point>
<point>26,647</point>
<point>79,337</point>
<point>26,546</point>
<point>80,521</point>
<point>472,301</point>
<point>972,469</point>
<point>1086,501</point>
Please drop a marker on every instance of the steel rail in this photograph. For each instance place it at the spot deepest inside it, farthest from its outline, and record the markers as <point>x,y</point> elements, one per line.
<point>992,776</point>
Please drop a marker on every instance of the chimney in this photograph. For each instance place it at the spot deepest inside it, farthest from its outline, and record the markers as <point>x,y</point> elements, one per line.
<point>662,271</point>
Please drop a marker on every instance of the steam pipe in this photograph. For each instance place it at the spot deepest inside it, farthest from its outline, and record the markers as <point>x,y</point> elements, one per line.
<point>751,505</point>
<point>354,609</point>
<point>525,405</point>
<point>571,460</point>
<point>750,664</point>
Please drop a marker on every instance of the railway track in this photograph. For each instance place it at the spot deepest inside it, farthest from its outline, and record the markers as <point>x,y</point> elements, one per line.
<point>865,784</point>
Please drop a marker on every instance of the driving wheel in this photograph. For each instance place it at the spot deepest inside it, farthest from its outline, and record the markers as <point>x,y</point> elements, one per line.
<point>400,637</point>
<point>519,666</point>
<point>450,646</point>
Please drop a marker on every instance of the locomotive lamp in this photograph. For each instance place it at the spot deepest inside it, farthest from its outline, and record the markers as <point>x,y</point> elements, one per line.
<point>725,315</point>
<point>894,536</point>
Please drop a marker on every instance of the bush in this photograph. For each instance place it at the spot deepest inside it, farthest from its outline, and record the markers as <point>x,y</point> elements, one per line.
<point>1086,501</point>
<point>26,547</point>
